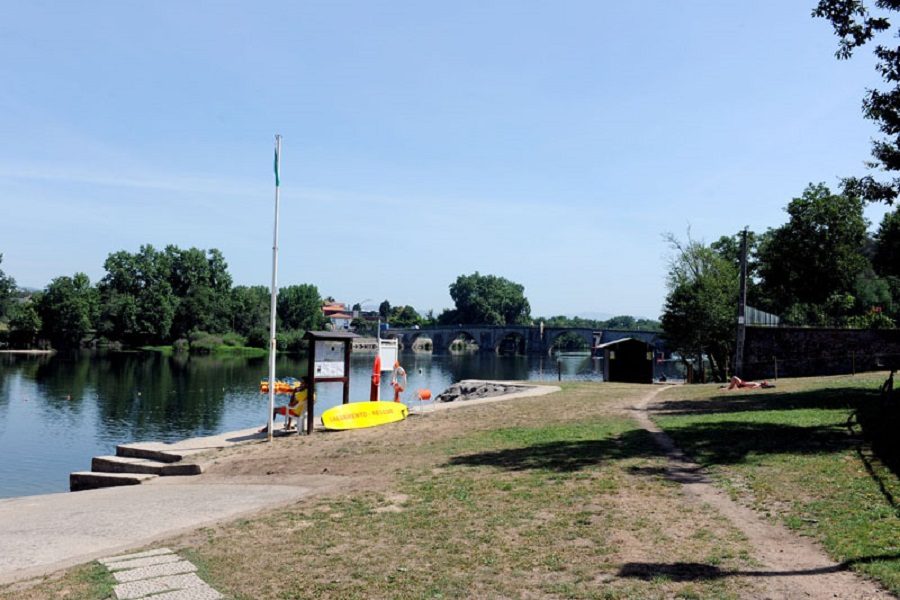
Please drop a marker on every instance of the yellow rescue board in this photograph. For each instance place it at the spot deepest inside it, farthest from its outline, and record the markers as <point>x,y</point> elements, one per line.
<point>357,415</point>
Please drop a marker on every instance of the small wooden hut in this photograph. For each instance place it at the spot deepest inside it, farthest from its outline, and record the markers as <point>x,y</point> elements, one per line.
<point>627,360</point>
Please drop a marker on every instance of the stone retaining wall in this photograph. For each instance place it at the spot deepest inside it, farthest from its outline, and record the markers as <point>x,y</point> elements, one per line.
<point>801,352</point>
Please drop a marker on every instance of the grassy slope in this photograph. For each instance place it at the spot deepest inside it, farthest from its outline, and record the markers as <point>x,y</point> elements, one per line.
<point>788,452</point>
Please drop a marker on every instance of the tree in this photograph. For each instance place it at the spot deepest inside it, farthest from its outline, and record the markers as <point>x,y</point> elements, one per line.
<point>487,300</point>
<point>7,288</point>
<point>250,311</point>
<point>404,316</point>
<point>69,307</point>
<point>24,324</point>
<point>887,246</point>
<point>817,254</point>
<point>300,307</point>
<point>202,285</point>
<point>138,303</point>
<point>384,310</point>
<point>621,322</point>
<point>729,248</point>
<point>856,26</point>
<point>701,307</point>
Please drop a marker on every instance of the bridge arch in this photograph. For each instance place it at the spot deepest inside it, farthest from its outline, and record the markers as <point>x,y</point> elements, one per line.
<point>420,340</point>
<point>550,336</point>
<point>511,342</point>
<point>463,335</point>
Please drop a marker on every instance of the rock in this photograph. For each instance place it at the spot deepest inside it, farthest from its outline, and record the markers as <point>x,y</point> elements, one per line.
<point>469,389</point>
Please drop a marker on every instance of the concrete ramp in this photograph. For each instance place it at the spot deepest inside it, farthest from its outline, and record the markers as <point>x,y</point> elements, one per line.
<point>42,534</point>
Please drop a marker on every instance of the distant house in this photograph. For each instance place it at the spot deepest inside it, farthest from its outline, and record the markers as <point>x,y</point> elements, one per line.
<point>337,315</point>
<point>340,321</point>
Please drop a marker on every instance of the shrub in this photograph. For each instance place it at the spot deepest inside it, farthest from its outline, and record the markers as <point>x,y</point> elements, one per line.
<point>234,339</point>
<point>202,342</point>
<point>290,341</point>
<point>258,338</point>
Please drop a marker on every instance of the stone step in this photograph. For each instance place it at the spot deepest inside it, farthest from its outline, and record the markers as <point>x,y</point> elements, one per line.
<point>124,464</point>
<point>176,451</point>
<point>89,480</point>
<point>152,451</point>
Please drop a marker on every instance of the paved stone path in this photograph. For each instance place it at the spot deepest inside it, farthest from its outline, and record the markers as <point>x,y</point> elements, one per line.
<point>160,574</point>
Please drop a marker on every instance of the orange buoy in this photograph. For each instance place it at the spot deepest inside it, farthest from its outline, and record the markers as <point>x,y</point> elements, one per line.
<point>424,395</point>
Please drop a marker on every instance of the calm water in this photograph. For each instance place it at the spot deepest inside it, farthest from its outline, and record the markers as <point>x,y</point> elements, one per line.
<point>56,412</point>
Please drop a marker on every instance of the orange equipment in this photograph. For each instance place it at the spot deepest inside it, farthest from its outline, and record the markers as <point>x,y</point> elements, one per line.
<point>376,379</point>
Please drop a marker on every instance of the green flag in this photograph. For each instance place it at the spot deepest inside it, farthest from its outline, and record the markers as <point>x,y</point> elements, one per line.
<point>277,168</point>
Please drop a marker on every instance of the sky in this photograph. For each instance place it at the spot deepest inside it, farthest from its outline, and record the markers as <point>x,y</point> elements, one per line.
<point>550,143</point>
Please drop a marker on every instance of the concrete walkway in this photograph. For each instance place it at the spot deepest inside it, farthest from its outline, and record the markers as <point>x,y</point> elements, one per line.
<point>42,534</point>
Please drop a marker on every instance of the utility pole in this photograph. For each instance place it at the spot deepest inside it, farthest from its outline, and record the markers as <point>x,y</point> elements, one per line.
<point>742,310</point>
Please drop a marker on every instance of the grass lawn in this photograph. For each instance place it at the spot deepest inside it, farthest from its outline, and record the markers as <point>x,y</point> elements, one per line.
<point>548,511</point>
<point>789,452</point>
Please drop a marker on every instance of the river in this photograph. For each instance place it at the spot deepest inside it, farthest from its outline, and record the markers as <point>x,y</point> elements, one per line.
<point>57,411</point>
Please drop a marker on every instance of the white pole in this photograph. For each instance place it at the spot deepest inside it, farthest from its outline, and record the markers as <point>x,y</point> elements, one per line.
<point>273,304</point>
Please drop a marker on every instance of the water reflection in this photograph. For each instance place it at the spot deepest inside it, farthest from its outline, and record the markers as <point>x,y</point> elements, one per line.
<point>56,412</point>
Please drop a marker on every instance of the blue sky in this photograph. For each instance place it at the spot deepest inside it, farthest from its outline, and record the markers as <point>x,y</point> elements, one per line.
<point>551,143</point>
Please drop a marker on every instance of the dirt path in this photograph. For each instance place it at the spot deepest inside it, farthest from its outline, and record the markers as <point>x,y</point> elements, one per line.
<point>791,566</point>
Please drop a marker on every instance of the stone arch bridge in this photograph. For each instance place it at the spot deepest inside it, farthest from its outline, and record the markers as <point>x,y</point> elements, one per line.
<point>526,339</point>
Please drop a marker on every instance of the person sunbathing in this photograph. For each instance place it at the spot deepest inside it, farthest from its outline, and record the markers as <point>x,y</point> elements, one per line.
<point>737,382</point>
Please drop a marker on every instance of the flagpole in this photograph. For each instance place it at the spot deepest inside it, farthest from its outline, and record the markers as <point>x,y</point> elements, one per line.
<point>274,294</point>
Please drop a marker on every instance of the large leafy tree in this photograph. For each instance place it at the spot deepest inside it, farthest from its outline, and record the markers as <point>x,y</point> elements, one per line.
<point>250,310</point>
<point>817,255</point>
<point>202,285</point>
<point>138,303</point>
<point>699,317</point>
<point>68,309</point>
<point>487,300</point>
<point>887,246</point>
<point>300,308</point>
<point>25,323</point>
<point>405,316</point>
<point>856,26</point>
<point>154,296</point>
<point>7,288</point>
<point>384,310</point>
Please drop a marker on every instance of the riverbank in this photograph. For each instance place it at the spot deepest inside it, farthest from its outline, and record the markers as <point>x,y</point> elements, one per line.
<point>555,496</point>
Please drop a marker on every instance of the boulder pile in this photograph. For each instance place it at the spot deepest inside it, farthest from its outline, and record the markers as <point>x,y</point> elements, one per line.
<point>470,389</point>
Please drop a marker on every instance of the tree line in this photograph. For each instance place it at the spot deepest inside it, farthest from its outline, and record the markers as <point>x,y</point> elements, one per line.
<point>186,298</point>
<point>156,297</point>
<point>822,268</point>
